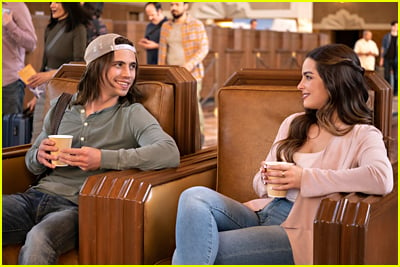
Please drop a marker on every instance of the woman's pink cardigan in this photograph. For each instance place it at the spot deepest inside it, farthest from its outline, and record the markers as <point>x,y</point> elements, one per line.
<point>356,162</point>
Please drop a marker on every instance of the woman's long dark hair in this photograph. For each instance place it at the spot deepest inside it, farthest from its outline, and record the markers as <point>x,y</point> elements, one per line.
<point>343,77</point>
<point>76,15</point>
<point>93,78</point>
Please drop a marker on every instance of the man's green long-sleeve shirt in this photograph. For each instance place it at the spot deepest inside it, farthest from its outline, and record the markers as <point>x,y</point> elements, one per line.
<point>127,135</point>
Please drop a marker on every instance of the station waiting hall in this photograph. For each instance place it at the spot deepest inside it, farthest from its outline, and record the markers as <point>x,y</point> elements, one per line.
<point>230,96</point>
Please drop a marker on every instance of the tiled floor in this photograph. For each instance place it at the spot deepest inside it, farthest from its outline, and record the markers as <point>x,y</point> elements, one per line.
<point>210,124</point>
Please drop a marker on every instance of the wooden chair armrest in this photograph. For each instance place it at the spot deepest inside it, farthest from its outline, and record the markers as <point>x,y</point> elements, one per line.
<point>357,228</point>
<point>129,217</point>
<point>369,230</point>
<point>117,208</point>
<point>15,176</point>
<point>327,226</point>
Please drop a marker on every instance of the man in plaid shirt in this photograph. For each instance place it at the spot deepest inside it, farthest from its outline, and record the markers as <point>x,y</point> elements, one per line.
<point>184,42</point>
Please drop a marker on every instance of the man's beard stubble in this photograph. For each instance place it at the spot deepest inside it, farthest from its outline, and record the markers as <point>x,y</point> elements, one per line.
<point>177,16</point>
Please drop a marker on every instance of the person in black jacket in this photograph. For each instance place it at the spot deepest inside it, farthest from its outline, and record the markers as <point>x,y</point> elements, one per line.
<point>152,34</point>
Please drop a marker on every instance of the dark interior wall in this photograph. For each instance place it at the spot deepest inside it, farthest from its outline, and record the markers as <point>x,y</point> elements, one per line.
<point>346,37</point>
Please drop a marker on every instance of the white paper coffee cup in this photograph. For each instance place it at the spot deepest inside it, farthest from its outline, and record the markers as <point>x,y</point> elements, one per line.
<point>62,141</point>
<point>271,192</point>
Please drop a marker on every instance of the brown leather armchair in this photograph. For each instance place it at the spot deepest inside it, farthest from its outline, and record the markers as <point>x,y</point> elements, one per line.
<point>147,202</point>
<point>381,94</point>
<point>249,116</point>
<point>169,93</point>
<point>348,228</point>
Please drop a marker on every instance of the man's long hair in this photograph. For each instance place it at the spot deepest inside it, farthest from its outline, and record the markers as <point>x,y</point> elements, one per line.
<point>93,78</point>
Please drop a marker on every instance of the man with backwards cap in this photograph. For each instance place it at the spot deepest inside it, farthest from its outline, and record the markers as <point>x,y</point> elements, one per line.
<point>110,130</point>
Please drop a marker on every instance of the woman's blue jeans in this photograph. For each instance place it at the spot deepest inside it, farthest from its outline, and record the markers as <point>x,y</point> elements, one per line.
<point>46,224</point>
<point>214,229</point>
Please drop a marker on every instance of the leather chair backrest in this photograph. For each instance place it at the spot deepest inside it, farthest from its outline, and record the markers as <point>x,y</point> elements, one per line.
<point>56,87</point>
<point>187,126</point>
<point>179,120</point>
<point>380,92</point>
<point>158,98</point>
<point>249,118</point>
<point>251,107</point>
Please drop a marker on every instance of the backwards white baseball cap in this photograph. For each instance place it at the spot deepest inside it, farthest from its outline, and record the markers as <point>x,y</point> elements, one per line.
<point>104,44</point>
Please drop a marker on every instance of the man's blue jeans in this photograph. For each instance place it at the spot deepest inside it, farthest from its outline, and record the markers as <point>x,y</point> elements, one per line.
<point>46,224</point>
<point>214,229</point>
<point>13,97</point>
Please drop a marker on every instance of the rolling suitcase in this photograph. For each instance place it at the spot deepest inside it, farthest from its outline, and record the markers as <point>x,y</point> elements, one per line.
<point>17,129</point>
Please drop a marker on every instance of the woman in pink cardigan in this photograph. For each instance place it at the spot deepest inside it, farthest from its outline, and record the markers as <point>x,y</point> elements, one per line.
<point>334,148</point>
